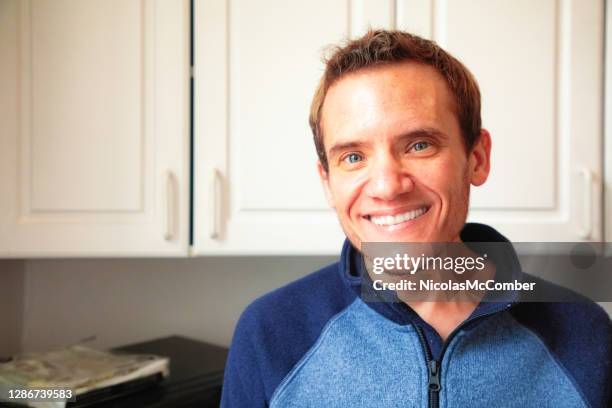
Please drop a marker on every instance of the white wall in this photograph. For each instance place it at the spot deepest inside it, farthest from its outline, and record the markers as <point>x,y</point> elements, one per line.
<point>11,306</point>
<point>122,301</point>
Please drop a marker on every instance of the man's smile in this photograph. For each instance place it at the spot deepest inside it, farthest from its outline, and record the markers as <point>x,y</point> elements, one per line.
<point>395,219</point>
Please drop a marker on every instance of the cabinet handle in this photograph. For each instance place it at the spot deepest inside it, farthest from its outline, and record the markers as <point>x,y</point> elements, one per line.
<point>215,205</point>
<point>587,203</point>
<point>170,203</point>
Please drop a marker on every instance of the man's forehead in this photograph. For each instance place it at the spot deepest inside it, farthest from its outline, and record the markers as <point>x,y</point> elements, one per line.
<point>388,95</point>
<point>413,76</point>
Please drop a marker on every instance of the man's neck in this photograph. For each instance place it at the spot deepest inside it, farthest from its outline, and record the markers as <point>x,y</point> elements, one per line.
<point>444,317</point>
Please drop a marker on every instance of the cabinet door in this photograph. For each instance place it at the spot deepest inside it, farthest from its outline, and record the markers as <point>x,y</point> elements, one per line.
<point>256,68</point>
<point>540,69</point>
<point>94,127</point>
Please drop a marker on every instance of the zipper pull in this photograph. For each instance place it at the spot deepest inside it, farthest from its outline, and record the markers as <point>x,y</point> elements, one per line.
<point>434,376</point>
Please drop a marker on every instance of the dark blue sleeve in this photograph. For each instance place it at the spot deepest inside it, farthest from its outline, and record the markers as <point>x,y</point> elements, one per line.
<point>242,383</point>
<point>276,331</point>
<point>579,335</point>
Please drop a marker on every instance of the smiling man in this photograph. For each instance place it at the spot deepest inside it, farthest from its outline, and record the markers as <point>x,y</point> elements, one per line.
<point>395,164</point>
<point>397,128</point>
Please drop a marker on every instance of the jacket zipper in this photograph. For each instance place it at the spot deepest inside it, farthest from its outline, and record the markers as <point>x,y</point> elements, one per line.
<point>433,366</point>
<point>433,371</point>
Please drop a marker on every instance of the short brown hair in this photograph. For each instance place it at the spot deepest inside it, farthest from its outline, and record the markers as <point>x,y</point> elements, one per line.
<point>378,47</point>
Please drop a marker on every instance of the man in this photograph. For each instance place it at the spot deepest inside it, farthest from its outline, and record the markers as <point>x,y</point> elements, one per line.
<point>396,123</point>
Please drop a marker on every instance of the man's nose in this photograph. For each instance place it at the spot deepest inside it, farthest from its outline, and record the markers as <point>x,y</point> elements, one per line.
<point>389,178</point>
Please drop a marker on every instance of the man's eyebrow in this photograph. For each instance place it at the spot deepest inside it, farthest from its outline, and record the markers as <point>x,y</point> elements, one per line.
<point>341,147</point>
<point>423,132</point>
<point>412,134</point>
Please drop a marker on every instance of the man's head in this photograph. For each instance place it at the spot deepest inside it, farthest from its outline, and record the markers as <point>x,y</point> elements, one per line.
<point>396,122</point>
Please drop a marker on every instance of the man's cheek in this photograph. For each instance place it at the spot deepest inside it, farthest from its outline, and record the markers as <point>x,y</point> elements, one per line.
<point>348,185</point>
<point>433,168</point>
<point>444,176</point>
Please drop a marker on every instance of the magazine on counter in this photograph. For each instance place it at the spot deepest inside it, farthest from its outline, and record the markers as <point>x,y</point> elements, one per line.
<point>76,368</point>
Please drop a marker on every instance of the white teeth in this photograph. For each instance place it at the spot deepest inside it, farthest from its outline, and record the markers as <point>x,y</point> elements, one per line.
<point>399,218</point>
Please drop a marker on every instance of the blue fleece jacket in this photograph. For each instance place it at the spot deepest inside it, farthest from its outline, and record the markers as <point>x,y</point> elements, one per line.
<point>317,343</point>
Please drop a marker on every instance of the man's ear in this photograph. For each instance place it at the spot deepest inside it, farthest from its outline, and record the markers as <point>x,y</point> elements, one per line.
<point>324,176</point>
<point>480,159</point>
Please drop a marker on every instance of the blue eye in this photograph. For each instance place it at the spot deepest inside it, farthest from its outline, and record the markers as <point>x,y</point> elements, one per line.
<point>352,158</point>
<point>420,146</point>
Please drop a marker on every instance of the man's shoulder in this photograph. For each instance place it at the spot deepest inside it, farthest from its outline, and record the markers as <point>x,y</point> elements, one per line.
<point>570,319</point>
<point>568,306</point>
<point>567,320</point>
<point>315,297</point>
<point>277,330</point>
<point>577,333</point>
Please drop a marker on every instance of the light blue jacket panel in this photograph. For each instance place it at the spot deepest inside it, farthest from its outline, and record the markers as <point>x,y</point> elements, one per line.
<point>364,360</point>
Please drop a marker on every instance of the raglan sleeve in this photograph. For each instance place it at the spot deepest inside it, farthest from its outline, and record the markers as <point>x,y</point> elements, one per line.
<point>608,398</point>
<point>243,385</point>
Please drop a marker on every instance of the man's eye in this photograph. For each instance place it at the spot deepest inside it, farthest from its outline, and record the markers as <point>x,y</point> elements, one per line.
<point>352,158</point>
<point>420,146</point>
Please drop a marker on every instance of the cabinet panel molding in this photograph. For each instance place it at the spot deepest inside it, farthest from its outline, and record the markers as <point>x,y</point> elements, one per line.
<point>100,99</point>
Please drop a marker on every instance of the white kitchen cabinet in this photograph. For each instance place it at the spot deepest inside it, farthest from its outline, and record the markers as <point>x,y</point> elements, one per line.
<point>540,68</point>
<point>94,128</point>
<point>94,120</point>
<point>257,63</point>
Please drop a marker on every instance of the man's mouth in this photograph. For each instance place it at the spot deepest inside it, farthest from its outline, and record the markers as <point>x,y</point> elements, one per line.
<point>387,220</point>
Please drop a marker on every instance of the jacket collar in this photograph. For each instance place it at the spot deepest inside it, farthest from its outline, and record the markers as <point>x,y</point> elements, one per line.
<point>353,273</point>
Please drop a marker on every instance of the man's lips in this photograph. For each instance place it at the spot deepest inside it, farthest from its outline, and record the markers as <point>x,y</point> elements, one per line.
<point>398,218</point>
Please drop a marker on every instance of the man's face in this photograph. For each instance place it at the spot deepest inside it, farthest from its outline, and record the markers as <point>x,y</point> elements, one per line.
<point>398,168</point>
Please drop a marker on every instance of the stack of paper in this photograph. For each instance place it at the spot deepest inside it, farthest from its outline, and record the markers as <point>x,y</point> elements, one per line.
<point>79,369</point>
